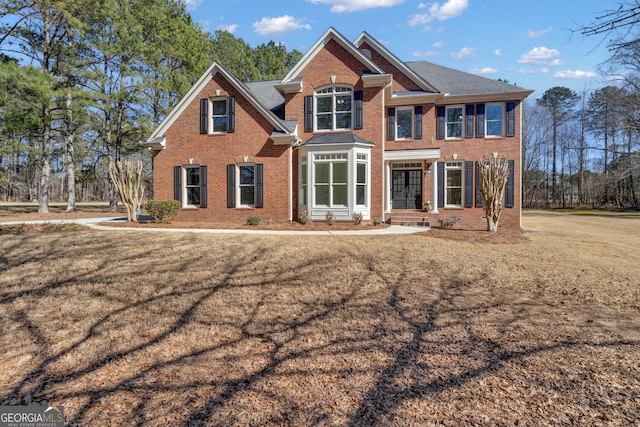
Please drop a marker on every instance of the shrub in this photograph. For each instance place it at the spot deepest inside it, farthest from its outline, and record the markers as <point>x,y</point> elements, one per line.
<point>448,221</point>
<point>163,211</point>
<point>330,218</point>
<point>254,220</point>
<point>357,218</point>
<point>377,220</point>
<point>305,218</point>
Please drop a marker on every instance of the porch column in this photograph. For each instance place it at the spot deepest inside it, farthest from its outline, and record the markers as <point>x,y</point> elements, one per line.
<point>434,193</point>
<point>387,185</point>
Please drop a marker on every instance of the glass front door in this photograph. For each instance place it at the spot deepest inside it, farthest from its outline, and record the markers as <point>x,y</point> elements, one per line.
<point>406,189</point>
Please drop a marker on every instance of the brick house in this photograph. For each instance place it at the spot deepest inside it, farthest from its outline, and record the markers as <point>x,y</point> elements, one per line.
<point>350,128</point>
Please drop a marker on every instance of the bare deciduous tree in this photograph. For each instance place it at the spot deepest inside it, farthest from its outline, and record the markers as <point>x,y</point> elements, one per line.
<point>127,178</point>
<point>493,178</point>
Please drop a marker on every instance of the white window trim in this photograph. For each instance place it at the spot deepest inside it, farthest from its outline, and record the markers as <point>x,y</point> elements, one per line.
<point>486,121</point>
<point>239,204</point>
<point>211,116</point>
<point>331,162</point>
<point>459,166</point>
<point>412,115</point>
<point>185,195</point>
<point>333,95</point>
<point>446,122</point>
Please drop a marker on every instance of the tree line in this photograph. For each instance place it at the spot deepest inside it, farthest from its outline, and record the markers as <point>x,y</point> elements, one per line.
<point>83,81</point>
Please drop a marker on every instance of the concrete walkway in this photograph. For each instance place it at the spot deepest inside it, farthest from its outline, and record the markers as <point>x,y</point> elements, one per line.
<point>93,223</point>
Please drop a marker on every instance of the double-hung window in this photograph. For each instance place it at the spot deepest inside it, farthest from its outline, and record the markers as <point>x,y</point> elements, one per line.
<point>219,115</point>
<point>404,123</point>
<point>494,120</point>
<point>334,108</point>
<point>361,179</point>
<point>453,184</point>
<point>331,179</point>
<point>247,185</point>
<point>454,121</point>
<point>190,186</point>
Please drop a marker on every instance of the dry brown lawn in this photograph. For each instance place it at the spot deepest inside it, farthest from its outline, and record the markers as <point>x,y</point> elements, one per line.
<point>459,327</point>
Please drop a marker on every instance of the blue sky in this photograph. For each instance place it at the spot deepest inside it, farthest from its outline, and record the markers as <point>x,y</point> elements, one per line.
<point>534,44</point>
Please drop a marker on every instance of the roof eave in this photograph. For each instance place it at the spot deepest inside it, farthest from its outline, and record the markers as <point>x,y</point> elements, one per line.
<point>155,144</point>
<point>484,97</point>
<point>414,98</point>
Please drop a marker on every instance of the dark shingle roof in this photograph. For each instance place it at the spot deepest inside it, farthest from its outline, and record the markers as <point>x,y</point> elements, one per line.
<point>454,82</point>
<point>337,138</point>
<point>267,94</point>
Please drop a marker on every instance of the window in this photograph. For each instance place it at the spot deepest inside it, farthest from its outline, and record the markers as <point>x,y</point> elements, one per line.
<point>303,184</point>
<point>494,120</point>
<point>219,114</point>
<point>190,186</point>
<point>453,184</point>
<point>454,119</point>
<point>247,185</point>
<point>331,180</point>
<point>361,180</point>
<point>334,108</point>
<point>404,123</point>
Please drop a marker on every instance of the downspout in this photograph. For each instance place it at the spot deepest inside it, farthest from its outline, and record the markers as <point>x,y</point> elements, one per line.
<point>291,196</point>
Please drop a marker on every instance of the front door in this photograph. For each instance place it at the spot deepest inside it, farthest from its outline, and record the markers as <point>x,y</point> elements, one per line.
<point>406,189</point>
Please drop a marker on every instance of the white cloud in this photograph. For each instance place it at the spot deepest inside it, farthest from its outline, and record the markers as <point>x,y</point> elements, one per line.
<point>544,70</point>
<point>192,4</point>
<point>577,74</point>
<point>464,53</point>
<point>339,6</point>
<point>279,26</point>
<point>427,53</point>
<point>539,55</point>
<point>437,45</point>
<point>485,70</point>
<point>449,9</point>
<point>228,28</point>
<point>556,62</point>
<point>497,52</point>
<point>532,34</point>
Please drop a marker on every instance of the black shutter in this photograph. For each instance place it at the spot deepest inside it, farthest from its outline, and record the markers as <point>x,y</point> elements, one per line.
<point>468,119</point>
<point>418,119</point>
<point>259,186</point>
<point>509,197</point>
<point>391,123</point>
<point>308,113</point>
<point>231,186</point>
<point>177,183</point>
<point>440,173</point>
<point>204,115</point>
<point>357,97</point>
<point>468,184</point>
<point>231,114</point>
<point>511,119</point>
<point>480,120</point>
<point>478,188</point>
<point>203,186</point>
<point>440,125</point>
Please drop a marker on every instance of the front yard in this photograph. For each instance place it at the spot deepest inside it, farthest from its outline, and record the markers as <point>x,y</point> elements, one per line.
<point>143,328</point>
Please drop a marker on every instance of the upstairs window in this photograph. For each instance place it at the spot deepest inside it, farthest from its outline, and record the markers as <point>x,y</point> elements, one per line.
<point>494,119</point>
<point>217,115</point>
<point>334,108</point>
<point>454,119</point>
<point>404,123</point>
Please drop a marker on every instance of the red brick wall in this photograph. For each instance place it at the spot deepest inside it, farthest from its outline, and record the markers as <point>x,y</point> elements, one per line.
<point>251,139</point>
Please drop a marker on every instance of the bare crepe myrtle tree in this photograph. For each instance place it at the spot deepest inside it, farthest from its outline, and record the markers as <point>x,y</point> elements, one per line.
<point>127,177</point>
<point>494,173</point>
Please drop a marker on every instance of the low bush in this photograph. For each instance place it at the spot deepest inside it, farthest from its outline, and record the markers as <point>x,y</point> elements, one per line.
<point>330,218</point>
<point>377,220</point>
<point>448,221</point>
<point>357,218</point>
<point>305,218</point>
<point>254,220</point>
<point>163,211</point>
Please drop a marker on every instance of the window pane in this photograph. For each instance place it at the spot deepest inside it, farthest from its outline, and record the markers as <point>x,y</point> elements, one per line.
<point>303,174</point>
<point>324,122</point>
<point>322,173</point>
<point>404,121</point>
<point>193,196</point>
<point>361,173</point>
<point>454,114</point>
<point>454,130</point>
<point>360,195</point>
<point>246,175</point>
<point>454,196</point>
<point>494,112</point>
<point>220,124</point>
<point>247,195</point>
<point>454,178</point>
<point>323,104</point>
<point>219,107</point>
<point>340,173</point>
<point>339,194</point>
<point>322,194</point>
<point>343,103</point>
<point>494,128</point>
<point>193,176</point>
<point>343,121</point>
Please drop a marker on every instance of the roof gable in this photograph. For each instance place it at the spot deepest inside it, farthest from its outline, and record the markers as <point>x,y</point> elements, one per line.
<point>330,34</point>
<point>195,90</point>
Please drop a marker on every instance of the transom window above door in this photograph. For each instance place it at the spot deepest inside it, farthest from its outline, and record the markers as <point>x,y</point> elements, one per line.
<point>334,108</point>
